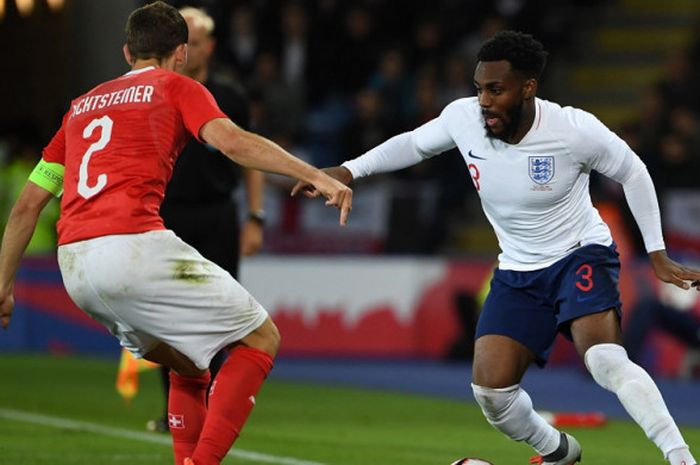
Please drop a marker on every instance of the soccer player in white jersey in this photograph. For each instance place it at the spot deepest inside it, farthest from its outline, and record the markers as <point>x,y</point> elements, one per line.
<point>112,158</point>
<point>530,162</point>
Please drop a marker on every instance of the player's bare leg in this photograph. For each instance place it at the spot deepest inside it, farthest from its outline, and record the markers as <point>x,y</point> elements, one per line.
<point>232,394</point>
<point>598,340</point>
<point>499,365</point>
<point>187,396</point>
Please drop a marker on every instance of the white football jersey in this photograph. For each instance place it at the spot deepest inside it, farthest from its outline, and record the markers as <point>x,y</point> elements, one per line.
<point>535,193</point>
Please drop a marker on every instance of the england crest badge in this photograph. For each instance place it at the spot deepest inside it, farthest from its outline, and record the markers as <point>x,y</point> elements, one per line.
<point>541,169</point>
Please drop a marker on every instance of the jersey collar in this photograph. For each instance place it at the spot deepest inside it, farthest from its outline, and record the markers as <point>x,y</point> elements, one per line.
<point>140,70</point>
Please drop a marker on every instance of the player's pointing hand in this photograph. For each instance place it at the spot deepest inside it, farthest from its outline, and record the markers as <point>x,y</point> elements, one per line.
<point>336,193</point>
<point>340,173</point>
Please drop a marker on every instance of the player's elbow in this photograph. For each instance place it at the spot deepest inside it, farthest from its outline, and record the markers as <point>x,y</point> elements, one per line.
<point>23,213</point>
<point>241,147</point>
<point>234,146</point>
<point>31,201</point>
<point>228,138</point>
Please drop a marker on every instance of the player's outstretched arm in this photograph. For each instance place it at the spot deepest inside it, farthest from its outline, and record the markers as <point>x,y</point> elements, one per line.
<point>256,152</point>
<point>19,230</point>
<point>672,272</point>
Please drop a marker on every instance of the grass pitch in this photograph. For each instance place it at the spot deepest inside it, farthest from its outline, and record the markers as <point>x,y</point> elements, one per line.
<point>65,411</point>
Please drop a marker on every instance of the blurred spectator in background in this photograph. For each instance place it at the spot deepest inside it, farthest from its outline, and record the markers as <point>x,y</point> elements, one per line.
<point>241,48</point>
<point>294,46</point>
<point>393,84</point>
<point>283,108</point>
<point>677,165</point>
<point>677,84</point>
<point>429,44</point>
<point>358,50</point>
<point>456,80</point>
<point>650,124</point>
<point>199,203</point>
<point>24,151</point>
<point>470,45</point>
<point>368,125</point>
<point>668,309</point>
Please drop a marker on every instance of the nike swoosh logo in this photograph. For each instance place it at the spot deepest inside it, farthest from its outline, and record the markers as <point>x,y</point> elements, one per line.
<point>471,155</point>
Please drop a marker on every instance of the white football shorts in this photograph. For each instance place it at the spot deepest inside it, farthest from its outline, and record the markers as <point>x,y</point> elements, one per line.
<point>153,287</point>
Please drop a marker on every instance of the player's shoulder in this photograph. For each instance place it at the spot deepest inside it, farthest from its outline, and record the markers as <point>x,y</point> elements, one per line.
<point>567,118</point>
<point>576,128</point>
<point>173,78</point>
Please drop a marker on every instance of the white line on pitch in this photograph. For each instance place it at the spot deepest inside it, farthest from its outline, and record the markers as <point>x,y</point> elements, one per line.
<point>95,428</point>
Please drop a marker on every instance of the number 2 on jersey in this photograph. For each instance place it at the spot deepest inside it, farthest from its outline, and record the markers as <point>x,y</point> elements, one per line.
<point>105,123</point>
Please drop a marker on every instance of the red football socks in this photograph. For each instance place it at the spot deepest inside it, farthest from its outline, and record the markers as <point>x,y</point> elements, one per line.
<point>231,398</point>
<point>187,411</point>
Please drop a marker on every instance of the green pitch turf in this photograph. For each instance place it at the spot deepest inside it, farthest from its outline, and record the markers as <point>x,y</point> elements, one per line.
<point>65,411</point>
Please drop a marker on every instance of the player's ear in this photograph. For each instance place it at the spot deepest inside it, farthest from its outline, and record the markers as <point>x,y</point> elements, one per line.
<point>180,56</point>
<point>529,88</point>
<point>127,55</point>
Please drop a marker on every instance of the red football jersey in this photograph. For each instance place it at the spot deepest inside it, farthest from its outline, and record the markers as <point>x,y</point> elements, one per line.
<point>118,144</point>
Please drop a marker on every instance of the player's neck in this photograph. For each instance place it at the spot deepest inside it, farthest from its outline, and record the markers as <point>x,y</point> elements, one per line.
<point>167,63</point>
<point>527,119</point>
<point>140,64</point>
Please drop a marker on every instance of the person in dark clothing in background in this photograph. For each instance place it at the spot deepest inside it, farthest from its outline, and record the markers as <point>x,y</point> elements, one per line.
<point>199,205</point>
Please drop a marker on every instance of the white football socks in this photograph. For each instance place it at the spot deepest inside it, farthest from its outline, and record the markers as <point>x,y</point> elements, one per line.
<point>510,411</point>
<point>613,370</point>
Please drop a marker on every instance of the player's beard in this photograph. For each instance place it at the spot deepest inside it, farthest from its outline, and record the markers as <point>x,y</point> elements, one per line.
<point>513,117</point>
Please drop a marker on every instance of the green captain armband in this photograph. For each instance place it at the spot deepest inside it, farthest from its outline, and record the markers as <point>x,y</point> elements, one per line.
<point>48,176</point>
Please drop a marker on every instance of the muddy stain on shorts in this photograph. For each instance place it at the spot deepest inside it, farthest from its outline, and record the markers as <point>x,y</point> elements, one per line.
<point>67,261</point>
<point>190,271</point>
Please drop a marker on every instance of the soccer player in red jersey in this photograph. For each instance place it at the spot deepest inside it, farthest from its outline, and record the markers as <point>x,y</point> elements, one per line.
<point>112,158</point>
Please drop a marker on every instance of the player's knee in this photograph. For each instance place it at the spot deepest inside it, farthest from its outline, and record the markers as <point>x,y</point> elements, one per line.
<point>266,338</point>
<point>608,364</point>
<point>274,340</point>
<point>506,409</point>
<point>495,402</point>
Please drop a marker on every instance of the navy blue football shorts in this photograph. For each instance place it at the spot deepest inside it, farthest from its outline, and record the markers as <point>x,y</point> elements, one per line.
<point>533,306</point>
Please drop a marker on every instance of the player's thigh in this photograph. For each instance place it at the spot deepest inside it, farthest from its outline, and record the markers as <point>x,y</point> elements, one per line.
<point>596,328</point>
<point>588,285</point>
<point>590,309</point>
<point>516,309</point>
<point>192,304</point>
<point>266,337</point>
<point>499,361</point>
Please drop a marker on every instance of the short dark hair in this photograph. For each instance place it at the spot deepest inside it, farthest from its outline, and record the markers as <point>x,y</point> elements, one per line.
<point>155,31</point>
<point>522,51</point>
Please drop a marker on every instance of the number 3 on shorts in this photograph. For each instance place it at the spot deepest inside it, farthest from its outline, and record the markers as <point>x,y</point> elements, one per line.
<point>585,273</point>
<point>105,123</point>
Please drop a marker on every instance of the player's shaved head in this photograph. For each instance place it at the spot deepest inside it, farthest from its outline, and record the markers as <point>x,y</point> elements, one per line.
<point>522,51</point>
<point>155,31</point>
